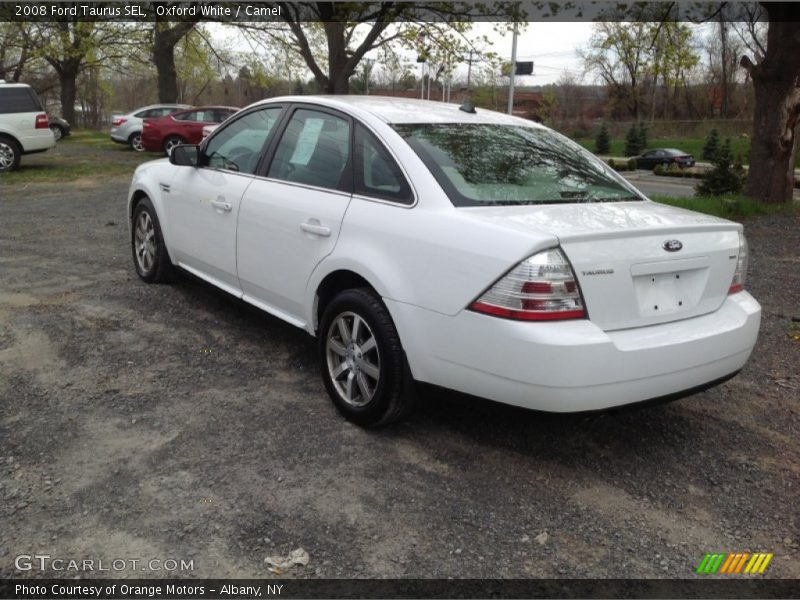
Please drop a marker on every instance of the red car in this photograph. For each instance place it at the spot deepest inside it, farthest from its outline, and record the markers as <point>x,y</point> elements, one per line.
<point>182,127</point>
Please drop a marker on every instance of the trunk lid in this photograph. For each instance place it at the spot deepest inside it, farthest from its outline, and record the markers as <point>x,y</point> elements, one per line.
<point>619,251</point>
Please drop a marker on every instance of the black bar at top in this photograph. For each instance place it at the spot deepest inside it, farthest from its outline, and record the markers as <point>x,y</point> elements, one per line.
<point>472,10</point>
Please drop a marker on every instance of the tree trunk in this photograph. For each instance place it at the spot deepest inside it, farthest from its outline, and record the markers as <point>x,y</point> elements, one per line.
<point>165,39</point>
<point>66,80</point>
<point>338,75</point>
<point>164,61</point>
<point>776,81</point>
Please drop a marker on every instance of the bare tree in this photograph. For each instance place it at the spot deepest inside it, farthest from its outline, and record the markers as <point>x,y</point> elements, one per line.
<point>70,46</point>
<point>333,37</point>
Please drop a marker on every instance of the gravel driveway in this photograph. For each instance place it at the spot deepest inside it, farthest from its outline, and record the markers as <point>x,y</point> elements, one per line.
<point>175,422</point>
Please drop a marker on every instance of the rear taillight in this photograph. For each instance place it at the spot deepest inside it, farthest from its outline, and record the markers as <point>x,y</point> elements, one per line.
<point>540,288</point>
<point>737,285</point>
<point>116,122</point>
<point>42,122</point>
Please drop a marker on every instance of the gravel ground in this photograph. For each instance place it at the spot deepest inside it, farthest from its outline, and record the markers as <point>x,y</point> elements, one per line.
<point>175,422</point>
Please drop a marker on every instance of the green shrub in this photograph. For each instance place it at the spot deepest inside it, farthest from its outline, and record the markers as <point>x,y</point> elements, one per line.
<point>659,170</point>
<point>602,142</point>
<point>632,145</point>
<point>711,146</point>
<point>642,137</point>
<point>631,164</point>
<point>612,163</point>
<point>723,178</point>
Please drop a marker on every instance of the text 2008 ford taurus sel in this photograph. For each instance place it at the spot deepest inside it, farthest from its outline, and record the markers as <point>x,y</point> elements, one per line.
<point>459,247</point>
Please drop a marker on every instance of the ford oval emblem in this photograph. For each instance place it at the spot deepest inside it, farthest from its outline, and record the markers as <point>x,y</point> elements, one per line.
<point>672,245</point>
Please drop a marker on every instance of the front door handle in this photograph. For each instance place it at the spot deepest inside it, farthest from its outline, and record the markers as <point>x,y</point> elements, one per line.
<point>315,227</point>
<point>222,205</point>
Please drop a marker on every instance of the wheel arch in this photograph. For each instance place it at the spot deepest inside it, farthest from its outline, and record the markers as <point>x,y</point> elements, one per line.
<point>331,284</point>
<point>13,138</point>
<point>137,194</point>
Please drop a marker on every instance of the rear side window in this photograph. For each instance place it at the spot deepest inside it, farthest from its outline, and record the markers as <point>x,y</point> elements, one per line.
<point>377,174</point>
<point>314,150</point>
<point>19,100</point>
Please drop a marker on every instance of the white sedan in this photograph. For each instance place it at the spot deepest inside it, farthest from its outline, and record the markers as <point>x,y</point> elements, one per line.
<point>422,241</point>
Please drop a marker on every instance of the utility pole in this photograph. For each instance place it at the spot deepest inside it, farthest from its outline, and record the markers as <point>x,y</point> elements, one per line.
<point>469,69</point>
<point>513,67</point>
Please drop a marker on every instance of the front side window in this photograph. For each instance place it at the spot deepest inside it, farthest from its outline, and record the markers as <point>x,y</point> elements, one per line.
<point>377,173</point>
<point>488,164</point>
<point>314,150</point>
<point>238,146</point>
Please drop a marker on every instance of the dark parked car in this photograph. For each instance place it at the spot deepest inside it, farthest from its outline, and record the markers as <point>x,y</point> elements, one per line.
<point>664,156</point>
<point>182,127</point>
<point>59,127</point>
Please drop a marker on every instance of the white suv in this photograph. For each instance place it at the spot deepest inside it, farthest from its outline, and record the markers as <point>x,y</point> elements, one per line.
<point>24,126</point>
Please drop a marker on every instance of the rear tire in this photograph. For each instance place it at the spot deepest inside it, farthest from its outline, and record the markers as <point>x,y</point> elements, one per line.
<point>150,255</point>
<point>135,142</point>
<point>362,361</point>
<point>58,132</point>
<point>171,142</point>
<point>10,154</point>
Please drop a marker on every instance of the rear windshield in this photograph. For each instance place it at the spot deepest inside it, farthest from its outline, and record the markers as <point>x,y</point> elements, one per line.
<point>18,100</point>
<point>487,164</point>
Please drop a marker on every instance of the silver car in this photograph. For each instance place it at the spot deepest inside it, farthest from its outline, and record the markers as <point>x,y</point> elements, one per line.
<point>127,129</point>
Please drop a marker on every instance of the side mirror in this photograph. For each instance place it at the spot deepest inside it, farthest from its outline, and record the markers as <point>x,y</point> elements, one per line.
<point>187,155</point>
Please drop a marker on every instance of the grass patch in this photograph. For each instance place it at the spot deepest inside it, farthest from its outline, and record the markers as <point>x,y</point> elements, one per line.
<point>85,154</point>
<point>728,207</point>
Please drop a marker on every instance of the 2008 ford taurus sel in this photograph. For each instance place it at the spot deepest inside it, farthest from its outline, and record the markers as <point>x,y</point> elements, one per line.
<point>464,248</point>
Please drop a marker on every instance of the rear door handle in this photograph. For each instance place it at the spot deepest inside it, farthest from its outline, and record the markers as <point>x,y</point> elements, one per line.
<point>315,228</point>
<point>222,205</point>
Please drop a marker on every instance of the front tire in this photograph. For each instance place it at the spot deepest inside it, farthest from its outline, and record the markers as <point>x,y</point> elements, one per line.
<point>10,154</point>
<point>171,142</point>
<point>363,365</point>
<point>150,255</point>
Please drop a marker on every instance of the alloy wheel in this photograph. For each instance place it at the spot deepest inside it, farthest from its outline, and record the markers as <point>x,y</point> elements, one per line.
<point>170,145</point>
<point>56,131</point>
<point>136,142</point>
<point>353,359</point>
<point>6,156</point>
<point>144,242</point>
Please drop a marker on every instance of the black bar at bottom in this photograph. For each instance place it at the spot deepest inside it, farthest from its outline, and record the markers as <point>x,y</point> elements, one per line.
<point>189,589</point>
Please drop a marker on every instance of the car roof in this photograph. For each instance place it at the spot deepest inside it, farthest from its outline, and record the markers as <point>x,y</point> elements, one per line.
<point>392,109</point>
<point>13,84</point>
<point>212,107</point>
<point>165,105</point>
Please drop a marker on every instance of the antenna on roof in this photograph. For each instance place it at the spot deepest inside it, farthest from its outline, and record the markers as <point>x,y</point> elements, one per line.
<point>467,107</point>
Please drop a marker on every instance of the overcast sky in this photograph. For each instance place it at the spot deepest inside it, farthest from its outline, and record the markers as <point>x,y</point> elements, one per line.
<point>552,46</point>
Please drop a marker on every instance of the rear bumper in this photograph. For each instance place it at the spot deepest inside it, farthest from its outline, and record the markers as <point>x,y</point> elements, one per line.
<point>38,141</point>
<point>574,366</point>
<point>123,134</point>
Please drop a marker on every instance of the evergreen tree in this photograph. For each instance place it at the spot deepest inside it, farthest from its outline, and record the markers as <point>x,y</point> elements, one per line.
<point>723,178</point>
<point>711,146</point>
<point>632,146</point>
<point>642,137</point>
<point>602,142</point>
